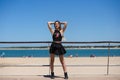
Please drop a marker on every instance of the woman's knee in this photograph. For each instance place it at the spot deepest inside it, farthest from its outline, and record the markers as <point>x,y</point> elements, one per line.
<point>62,60</point>
<point>51,58</point>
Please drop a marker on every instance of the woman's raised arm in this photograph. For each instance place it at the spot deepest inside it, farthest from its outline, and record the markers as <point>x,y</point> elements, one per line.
<point>65,25</point>
<point>50,27</point>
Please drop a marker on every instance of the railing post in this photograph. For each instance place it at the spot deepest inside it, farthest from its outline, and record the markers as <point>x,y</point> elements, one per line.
<point>108,58</point>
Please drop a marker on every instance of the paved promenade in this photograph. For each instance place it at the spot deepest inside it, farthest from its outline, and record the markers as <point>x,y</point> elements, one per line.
<point>78,68</point>
<point>71,77</point>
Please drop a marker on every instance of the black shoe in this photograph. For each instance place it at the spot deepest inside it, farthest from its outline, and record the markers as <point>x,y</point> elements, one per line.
<point>52,75</point>
<point>66,75</point>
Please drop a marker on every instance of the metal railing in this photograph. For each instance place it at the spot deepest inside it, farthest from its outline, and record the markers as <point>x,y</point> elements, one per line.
<point>108,43</point>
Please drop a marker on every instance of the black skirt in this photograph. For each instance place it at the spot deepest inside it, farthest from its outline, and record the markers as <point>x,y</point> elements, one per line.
<point>57,48</point>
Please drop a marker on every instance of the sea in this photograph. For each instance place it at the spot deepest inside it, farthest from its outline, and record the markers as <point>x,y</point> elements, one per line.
<point>70,52</point>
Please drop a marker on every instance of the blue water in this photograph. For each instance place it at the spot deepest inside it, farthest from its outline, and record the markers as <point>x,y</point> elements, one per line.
<point>45,53</point>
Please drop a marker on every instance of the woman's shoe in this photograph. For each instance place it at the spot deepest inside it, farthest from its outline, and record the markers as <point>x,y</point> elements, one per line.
<point>66,75</point>
<point>52,75</point>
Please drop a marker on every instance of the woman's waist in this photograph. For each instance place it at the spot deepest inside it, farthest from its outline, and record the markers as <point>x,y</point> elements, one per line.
<point>58,42</point>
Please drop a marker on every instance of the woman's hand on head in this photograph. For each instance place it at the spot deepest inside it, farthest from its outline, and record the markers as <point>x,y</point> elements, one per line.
<point>50,22</point>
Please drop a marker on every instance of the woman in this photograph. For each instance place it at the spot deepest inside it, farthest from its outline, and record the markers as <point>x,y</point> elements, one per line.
<point>56,47</point>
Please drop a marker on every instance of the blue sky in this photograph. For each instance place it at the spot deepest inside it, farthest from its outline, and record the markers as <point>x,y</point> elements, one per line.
<point>88,20</point>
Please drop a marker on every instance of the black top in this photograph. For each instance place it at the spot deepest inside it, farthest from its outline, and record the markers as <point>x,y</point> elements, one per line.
<point>57,36</point>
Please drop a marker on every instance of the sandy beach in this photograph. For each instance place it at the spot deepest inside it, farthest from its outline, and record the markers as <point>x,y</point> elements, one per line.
<point>76,66</point>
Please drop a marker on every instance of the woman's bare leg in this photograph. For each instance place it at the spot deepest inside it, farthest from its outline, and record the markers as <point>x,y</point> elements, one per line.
<point>52,62</point>
<point>61,57</point>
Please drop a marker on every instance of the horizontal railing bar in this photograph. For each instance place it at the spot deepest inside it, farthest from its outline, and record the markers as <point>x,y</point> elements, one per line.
<point>72,42</point>
<point>57,65</point>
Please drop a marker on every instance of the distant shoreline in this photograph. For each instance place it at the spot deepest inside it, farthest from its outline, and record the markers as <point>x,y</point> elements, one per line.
<point>48,48</point>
